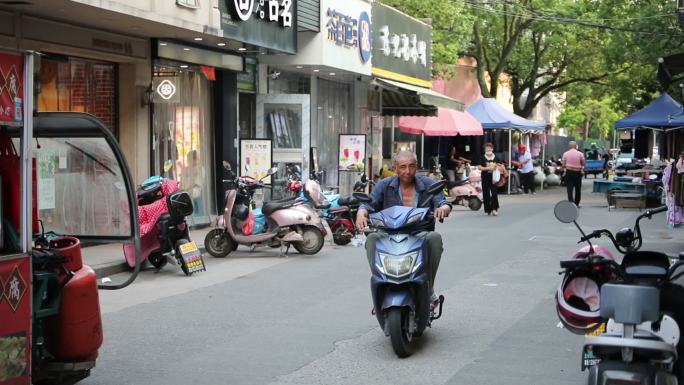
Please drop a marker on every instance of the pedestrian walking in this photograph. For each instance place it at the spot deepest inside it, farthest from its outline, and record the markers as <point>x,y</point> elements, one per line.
<point>573,162</point>
<point>487,166</point>
<point>526,169</point>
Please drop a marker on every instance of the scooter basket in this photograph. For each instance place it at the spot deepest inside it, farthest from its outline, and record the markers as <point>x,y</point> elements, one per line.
<point>179,204</point>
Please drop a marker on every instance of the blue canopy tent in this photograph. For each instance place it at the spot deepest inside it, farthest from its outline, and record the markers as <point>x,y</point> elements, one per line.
<point>662,113</point>
<point>492,116</point>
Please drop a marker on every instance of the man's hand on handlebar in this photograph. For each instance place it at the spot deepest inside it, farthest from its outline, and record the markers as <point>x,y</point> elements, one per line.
<point>361,219</point>
<point>442,212</point>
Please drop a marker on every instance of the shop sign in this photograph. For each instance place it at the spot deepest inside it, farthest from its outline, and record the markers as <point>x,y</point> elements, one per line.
<point>402,47</point>
<point>246,81</point>
<point>264,23</point>
<point>15,313</point>
<point>165,89</point>
<point>11,88</point>
<point>350,32</point>
<point>279,11</point>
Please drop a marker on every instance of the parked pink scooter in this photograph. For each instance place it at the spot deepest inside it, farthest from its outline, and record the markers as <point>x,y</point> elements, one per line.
<point>464,193</point>
<point>285,222</point>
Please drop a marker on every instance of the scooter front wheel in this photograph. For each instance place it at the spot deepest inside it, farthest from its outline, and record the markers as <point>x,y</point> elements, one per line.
<point>397,323</point>
<point>218,243</point>
<point>313,241</point>
<point>474,203</point>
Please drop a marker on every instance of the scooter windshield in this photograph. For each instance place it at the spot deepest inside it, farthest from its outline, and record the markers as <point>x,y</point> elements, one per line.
<point>398,218</point>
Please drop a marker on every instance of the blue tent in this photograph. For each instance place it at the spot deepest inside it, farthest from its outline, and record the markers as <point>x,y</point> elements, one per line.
<point>492,115</point>
<point>663,112</point>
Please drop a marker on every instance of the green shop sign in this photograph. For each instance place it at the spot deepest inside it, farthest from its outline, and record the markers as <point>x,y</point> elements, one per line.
<point>265,23</point>
<point>402,47</point>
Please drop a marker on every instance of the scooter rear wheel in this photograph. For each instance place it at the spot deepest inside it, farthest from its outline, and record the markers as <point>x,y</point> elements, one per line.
<point>474,203</point>
<point>157,260</point>
<point>397,323</point>
<point>339,236</point>
<point>218,243</point>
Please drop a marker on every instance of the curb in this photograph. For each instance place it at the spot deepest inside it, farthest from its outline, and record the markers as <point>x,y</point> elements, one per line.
<point>110,269</point>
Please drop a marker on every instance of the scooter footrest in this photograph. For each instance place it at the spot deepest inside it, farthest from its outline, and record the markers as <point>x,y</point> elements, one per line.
<point>655,347</point>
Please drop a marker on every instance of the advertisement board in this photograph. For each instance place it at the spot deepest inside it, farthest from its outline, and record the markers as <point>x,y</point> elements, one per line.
<point>15,313</point>
<point>11,88</point>
<point>256,157</point>
<point>352,155</point>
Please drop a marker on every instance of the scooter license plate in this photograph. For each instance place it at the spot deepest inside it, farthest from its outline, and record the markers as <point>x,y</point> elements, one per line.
<point>192,257</point>
<point>588,357</point>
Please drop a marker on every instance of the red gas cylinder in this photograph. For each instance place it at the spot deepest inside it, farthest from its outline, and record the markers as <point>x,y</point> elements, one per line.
<point>75,334</point>
<point>70,248</point>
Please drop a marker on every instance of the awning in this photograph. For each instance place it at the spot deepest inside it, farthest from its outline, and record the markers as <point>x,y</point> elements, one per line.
<point>400,99</point>
<point>448,122</point>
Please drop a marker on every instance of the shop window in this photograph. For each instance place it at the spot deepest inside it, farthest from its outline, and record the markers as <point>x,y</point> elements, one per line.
<point>246,113</point>
<point>332,119</point>
<point>80,86</point>
<point>183,135</point>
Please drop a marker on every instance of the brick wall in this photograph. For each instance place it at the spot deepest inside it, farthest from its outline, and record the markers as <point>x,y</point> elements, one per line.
<point>80,86</point>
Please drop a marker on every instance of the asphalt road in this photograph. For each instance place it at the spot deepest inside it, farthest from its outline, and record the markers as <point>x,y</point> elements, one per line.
<point>260,319</point>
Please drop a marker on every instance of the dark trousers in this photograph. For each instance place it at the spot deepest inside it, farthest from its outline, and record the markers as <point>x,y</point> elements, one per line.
<point>434,247</point>
<point>573,182</point>
<point>527,181</point>
<point>489,194</point>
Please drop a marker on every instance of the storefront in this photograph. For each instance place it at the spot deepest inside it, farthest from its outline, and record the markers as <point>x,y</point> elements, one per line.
<point>326,84</point>
<point>402,71</point>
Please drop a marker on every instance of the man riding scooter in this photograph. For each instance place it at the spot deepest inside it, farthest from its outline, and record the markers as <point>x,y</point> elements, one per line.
<point>406,189</point>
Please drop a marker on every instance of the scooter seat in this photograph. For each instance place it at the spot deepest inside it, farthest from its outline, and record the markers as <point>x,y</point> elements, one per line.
<point>348,201</point>
<point>458,183</point>
<point>273,206</point>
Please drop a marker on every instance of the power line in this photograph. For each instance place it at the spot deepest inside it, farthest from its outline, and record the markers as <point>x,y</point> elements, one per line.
<point>565,20</point>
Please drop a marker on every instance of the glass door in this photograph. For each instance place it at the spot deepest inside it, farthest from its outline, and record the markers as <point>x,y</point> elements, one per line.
<point>285,118</point>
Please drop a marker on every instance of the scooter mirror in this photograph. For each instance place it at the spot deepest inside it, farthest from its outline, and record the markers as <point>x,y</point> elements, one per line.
<point>435,188</point>
<point>272,170</point>
<point>566,211</point>
<point>362,197</point>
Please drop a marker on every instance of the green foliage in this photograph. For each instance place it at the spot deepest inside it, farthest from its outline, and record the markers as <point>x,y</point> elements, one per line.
<point>590,118</point>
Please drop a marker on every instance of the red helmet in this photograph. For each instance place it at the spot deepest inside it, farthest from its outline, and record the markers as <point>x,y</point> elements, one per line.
<point>578,298</point>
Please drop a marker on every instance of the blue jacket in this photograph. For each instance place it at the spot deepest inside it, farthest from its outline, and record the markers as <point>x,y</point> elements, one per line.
<point>387,194</point>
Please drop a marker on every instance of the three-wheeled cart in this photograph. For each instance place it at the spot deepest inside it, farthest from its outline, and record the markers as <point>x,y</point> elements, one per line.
<point>68,171</point>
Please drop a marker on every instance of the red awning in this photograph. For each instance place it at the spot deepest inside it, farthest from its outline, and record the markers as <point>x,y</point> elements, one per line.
<point>448,122</point>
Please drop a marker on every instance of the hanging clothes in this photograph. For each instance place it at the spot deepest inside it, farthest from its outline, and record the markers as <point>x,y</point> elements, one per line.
<point>675,213</point>
<point>641,140</point>
<point>536,144</point>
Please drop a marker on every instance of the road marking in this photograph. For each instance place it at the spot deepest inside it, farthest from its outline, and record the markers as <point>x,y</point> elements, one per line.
<point>532,238</point>
<point>490,284</point>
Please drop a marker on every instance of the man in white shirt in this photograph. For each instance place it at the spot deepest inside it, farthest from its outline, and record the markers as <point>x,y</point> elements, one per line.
<point>526,169</point>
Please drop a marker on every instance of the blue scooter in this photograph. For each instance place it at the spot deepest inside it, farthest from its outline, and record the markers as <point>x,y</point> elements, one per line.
<point>400,274</point>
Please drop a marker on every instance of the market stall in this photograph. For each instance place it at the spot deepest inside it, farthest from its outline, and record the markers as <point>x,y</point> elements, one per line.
<point>493,116</point>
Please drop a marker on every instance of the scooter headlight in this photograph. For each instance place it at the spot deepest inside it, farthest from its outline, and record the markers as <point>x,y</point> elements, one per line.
<point>398,265</point>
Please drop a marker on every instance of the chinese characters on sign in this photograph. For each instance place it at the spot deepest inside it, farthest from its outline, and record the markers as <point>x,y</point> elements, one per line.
<point>11,90</point>
<point>349,32</point>
<point>256,158</point>
<point>279,11</point>
<point>405,47</point>
<point>15,299</point>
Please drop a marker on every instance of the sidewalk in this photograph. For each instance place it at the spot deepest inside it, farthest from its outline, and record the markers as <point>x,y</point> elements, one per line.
<point>108,259</point>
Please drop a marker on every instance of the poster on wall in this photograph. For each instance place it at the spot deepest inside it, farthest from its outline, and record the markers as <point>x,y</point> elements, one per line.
<point>352,152</point>
<point>11,88</point>
<point>15,313</point>
<point>256,157</point>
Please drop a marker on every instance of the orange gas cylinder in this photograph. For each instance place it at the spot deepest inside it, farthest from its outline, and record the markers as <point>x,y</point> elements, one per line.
<point>75,333</point>
<point>70,248</point>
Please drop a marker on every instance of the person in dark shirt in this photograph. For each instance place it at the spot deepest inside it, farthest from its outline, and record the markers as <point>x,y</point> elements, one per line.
<point>487,164</point>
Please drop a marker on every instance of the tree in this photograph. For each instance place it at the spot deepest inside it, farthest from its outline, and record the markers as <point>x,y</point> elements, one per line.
<point>550,45</point>
<point>590,119</point>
